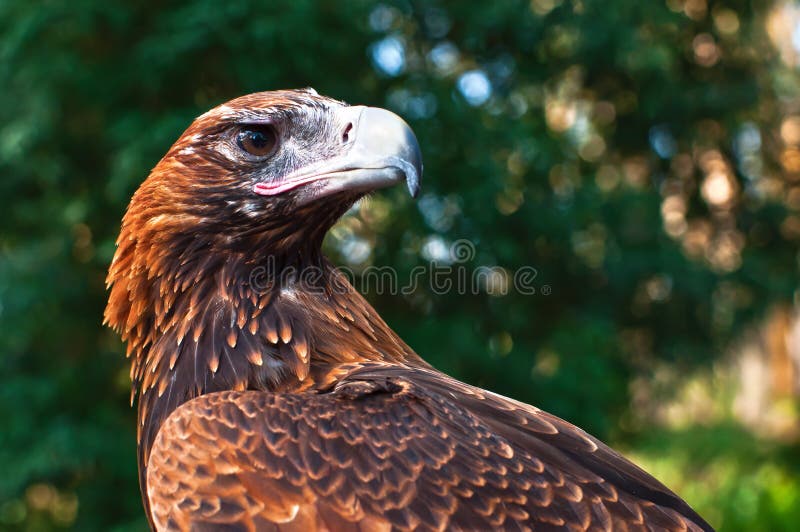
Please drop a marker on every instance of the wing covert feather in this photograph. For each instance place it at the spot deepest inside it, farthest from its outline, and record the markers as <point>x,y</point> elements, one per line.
<point>386,449</point>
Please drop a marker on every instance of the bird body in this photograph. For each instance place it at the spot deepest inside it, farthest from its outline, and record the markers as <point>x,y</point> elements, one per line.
<point>272,396</point>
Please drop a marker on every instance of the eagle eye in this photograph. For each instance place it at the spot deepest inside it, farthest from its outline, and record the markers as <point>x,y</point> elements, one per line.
<point>258,140</point>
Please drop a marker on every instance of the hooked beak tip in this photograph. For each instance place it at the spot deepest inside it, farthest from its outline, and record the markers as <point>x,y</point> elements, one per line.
<point>383,134</point>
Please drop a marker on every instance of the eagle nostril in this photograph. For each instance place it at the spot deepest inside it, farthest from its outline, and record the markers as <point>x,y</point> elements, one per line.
<point>346,135</point>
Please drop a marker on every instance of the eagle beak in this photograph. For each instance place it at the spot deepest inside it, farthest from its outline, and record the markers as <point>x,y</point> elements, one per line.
<point>379,150</point>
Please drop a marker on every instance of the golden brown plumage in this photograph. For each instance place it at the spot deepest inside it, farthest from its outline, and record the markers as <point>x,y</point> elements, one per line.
<point>272,396</point>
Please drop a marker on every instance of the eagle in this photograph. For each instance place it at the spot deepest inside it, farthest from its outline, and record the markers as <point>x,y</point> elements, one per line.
<point>273,397</point>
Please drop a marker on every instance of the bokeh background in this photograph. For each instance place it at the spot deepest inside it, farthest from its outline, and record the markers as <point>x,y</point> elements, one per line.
<point>643,157</point>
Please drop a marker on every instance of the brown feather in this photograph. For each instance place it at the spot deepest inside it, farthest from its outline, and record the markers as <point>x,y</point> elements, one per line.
<point>394,468</point>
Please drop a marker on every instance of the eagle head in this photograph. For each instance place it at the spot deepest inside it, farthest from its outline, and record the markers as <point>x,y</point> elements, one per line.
<point>271,171</point>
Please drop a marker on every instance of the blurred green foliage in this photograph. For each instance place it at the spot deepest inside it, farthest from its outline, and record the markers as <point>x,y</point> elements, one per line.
<point>641,156</point>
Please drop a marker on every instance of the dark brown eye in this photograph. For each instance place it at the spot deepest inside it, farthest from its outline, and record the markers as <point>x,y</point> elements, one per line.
<point>257,140</point>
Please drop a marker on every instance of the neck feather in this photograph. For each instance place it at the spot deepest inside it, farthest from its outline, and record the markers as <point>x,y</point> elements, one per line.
<point>203,326</point>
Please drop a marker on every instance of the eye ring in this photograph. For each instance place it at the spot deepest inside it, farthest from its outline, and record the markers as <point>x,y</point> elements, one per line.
<point>258,140</point>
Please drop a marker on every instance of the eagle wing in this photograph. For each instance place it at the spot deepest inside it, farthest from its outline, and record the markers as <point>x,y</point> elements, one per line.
<point>393,448</point>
